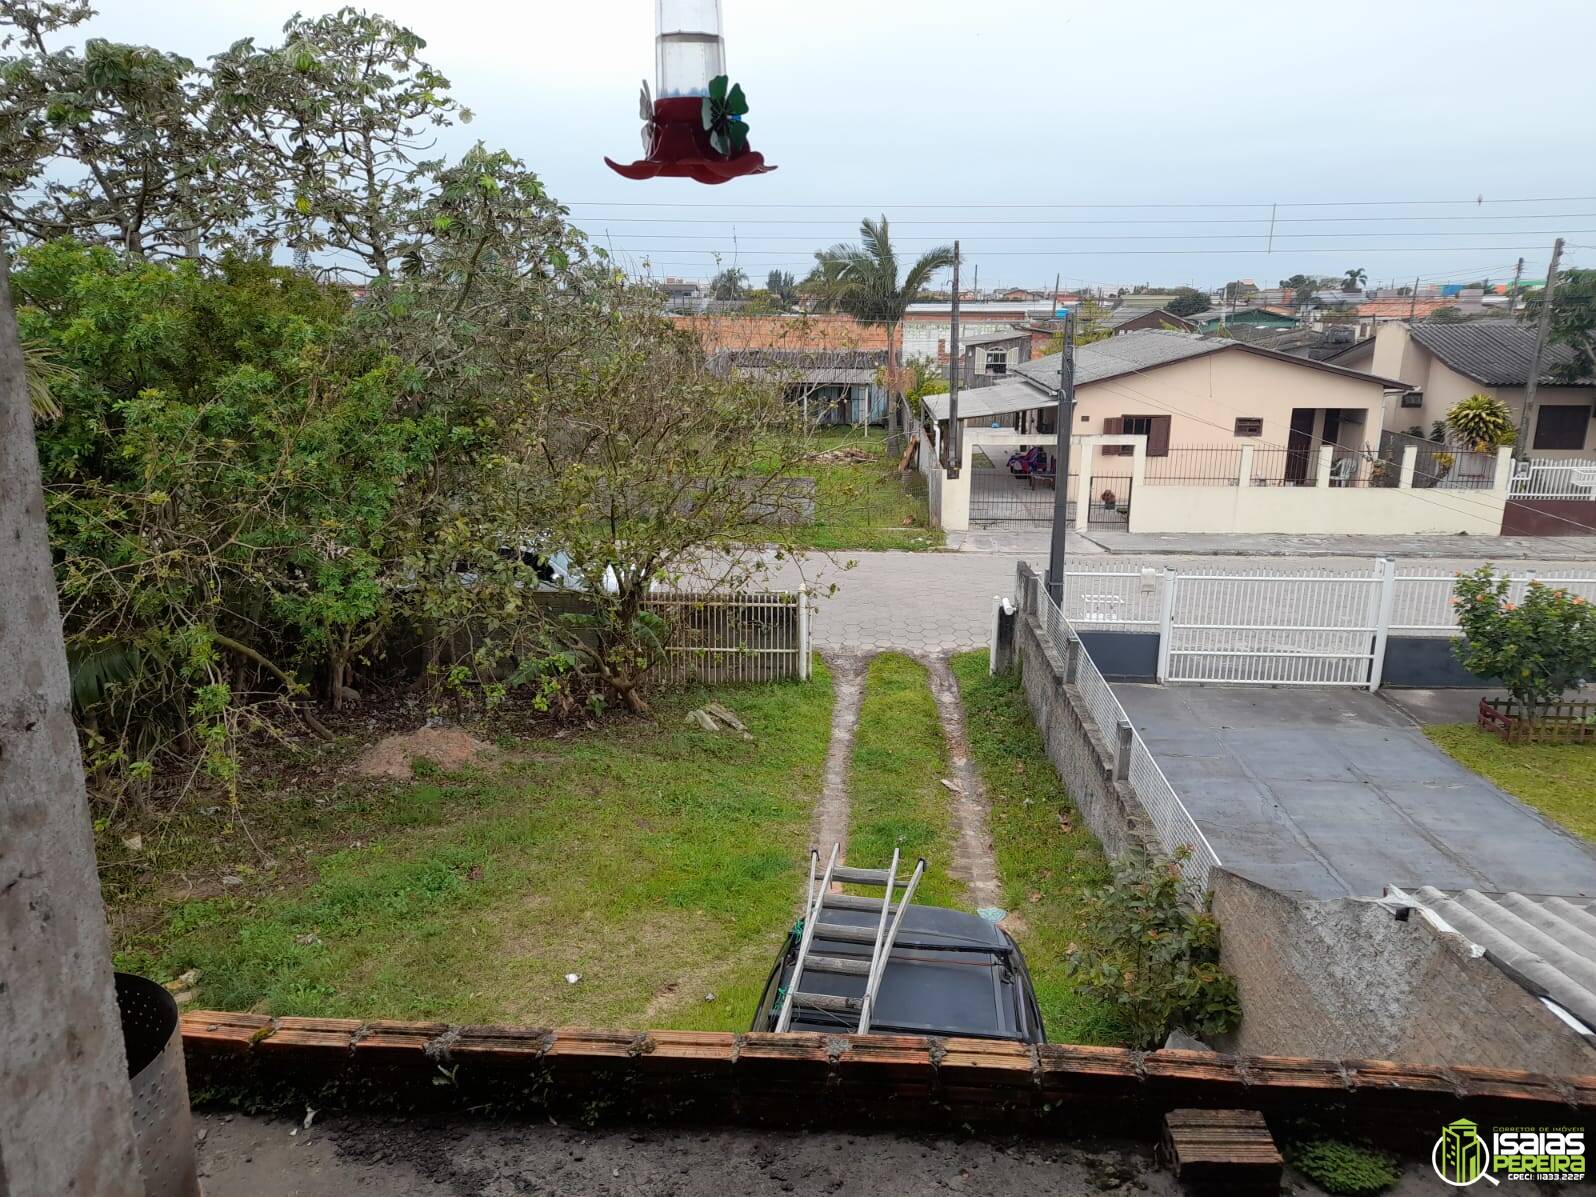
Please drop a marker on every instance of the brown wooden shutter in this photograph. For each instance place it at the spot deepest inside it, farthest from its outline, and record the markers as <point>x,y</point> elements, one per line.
<point>1158,437</point>
<point>1113,426</point>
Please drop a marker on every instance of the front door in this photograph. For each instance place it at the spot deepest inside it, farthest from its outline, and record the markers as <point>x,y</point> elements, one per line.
<point>1299,444</point>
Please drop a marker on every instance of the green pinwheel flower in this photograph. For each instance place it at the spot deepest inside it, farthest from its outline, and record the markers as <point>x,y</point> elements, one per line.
<point>723,112</point>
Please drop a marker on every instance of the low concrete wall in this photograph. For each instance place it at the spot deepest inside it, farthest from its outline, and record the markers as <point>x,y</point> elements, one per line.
<point>1316,509</point>
<point>1346,978</point>
<point>1085,763</point>
<point>1549,517</point>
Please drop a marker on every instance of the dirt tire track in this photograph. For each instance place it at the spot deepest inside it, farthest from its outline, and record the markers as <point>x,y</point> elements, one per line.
<point>973,862</point>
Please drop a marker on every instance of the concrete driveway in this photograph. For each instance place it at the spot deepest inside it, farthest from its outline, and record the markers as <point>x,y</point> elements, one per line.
<point>1331,793</point>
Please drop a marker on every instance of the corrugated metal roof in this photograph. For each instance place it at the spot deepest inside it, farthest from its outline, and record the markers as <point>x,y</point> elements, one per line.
<point>1547,944</point>
<point>1494,352</point>
<point>1140,350</point>
<point>1002,399</point>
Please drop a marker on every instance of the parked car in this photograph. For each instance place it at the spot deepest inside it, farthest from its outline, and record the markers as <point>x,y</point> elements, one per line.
<point>949,973</point>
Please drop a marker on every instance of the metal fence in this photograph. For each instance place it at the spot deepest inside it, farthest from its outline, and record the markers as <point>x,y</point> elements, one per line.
<point>1435,464</point>
<point>736,637</point>
<point>1571,479</point>
<point>1311,627</point>
<point>1134,762</point>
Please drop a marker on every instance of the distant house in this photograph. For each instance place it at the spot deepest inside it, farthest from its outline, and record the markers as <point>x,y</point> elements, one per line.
<point>1444,363</point>
<point>1128,320</point>
<point>993,356</point>
<point>718,332</point>
<point>928,326</point>
<point>1185,391</point>
<point>834,386</point>
<point>1246,317</point>
<point>1019,295</point>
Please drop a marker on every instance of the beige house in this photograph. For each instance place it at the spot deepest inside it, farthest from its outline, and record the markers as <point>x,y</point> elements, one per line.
<point>1189,394</point>
<point>1443,363</point>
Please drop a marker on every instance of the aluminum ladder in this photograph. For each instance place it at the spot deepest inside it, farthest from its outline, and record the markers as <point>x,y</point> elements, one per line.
<point>885,935</point>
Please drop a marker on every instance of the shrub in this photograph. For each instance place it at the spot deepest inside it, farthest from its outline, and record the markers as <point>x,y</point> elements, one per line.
<point>1344,1168</point>
<point>1153,958</point>
<point>1538,649</point>
<point>1481,423</point>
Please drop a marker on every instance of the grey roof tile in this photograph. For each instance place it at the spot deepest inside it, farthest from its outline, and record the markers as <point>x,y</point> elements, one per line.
<point>1123,355</point>
<point>1494,352</point>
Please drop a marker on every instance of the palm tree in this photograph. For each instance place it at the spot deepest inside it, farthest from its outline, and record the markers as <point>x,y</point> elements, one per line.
<point>867,287</point>
<point>1354,279</point>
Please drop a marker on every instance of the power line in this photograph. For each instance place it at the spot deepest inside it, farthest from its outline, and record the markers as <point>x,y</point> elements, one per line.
<point>1261,204</point>
<point>959,221</point>
<point>1135,236</point>
<point>1233,251</point>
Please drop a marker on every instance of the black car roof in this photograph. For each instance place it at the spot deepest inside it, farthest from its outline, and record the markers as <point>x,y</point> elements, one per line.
<point>950,973</point>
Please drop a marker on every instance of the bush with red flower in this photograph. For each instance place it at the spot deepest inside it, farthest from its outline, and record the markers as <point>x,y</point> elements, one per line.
<point>1538,648</point>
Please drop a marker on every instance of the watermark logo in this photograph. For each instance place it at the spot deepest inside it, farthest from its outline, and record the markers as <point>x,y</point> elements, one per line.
<point>1460,1156</point>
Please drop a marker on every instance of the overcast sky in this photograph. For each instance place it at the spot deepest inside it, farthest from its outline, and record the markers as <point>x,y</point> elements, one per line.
<point>1026,128</point>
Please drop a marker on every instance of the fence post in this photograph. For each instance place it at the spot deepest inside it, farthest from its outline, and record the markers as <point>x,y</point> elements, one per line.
<point>1166,625</point>
<point>1072,659</point>
<point>804,663</point>
<point>1385,570</point>
<point>1245,477</point>
<point>1122,751</point>
<point>1410,460</point>
<point>1326,461</point>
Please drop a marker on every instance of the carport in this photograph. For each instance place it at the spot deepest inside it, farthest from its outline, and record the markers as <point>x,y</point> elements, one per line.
<point>1335,793</point>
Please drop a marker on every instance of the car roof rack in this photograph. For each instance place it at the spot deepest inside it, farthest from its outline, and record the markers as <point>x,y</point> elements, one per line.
<point>882,938</point>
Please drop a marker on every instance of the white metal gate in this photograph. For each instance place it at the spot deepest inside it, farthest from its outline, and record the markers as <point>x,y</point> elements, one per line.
<point>1305,628</point>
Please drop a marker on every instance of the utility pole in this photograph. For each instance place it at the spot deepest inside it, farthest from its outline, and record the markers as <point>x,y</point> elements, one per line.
<point>975,289</point>
<point>953,449</point>
<point>1512,294</point>
<point>1061,462</point>
<point>1413,300</point>
<point>1543,325</point>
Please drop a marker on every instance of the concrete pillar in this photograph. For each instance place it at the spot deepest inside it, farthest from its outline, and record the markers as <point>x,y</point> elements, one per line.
<point>1326,460</point>
<point>1504,472</point>
<point>1087,452</point>
<point>1246,466</point>
<point>1410,457</point>
<point>66,1124</point>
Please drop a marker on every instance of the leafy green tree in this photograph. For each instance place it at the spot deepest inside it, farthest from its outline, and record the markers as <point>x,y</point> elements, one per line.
<point>333,125</point>
<point>1537,649</point>
<point>1354,279</point>
<point>730,284</point>
<point>1188,301</point>
<point>869,288</point>
<point>783,288</point>
<point>110,145</point>
<point>1573,321</point>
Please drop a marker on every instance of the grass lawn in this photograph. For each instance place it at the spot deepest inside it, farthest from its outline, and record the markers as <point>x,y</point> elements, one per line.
<point>659,862</point>
<point>1046,856</point>
<point>1559,780</point>
<point>897,797</point>
<point>863,506</point>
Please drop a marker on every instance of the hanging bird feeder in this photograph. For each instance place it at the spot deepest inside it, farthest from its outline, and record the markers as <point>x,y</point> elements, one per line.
<point>695,129</point>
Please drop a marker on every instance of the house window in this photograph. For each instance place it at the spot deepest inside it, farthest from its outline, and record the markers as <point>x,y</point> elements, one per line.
<point>1413,399</point>
<point>1249,425</point>
<point>997,361</point>
<point>1562,427</point>
<point>1154,428</point>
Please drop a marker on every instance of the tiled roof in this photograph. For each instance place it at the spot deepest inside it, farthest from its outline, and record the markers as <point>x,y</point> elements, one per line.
<point>1124,315</point>
<point>1494,352</point>
<point>721,332</point>
<point>1546,944</point>
<point>1402,309</point>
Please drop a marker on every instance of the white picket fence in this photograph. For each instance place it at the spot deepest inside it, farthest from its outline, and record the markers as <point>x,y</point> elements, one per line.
<point>1134,762</point>
<point>1544,479</point>
<point>1303,627</point>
